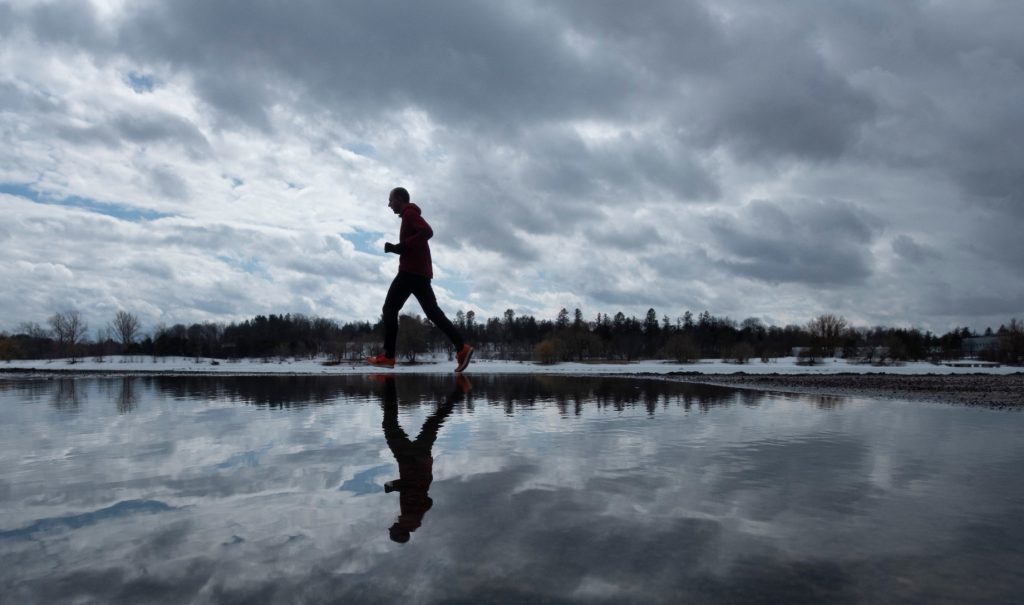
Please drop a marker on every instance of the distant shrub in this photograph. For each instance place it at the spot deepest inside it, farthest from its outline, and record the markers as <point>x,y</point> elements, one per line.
<point>681,348</point>
<point>741,352</point>
<point>9,348</point>
<point>548,352</point>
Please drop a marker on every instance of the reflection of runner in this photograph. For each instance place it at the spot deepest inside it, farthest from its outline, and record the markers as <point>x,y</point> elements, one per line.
<point>414,274</point>
<point>415,463</point>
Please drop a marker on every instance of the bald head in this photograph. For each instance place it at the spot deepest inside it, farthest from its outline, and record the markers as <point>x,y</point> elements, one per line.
<point>399,194</point>
<point>398,199</point>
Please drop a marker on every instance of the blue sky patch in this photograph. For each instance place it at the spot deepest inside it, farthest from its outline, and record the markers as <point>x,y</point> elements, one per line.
<point>140,83</point>
<point>365,241</point>
<point>363,149</point>
<point>251,265</point>
<point>118,211</point>
<point>458,287</point>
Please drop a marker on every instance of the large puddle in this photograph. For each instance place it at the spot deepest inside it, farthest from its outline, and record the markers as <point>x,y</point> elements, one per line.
<point>526,489</point>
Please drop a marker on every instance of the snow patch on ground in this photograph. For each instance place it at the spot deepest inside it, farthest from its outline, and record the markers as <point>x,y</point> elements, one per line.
<point>178,365</point>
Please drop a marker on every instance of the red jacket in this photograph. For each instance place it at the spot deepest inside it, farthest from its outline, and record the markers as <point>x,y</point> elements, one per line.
<point>414,235</point>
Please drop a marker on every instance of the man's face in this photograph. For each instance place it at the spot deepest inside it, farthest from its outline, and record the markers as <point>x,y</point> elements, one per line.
<point>395,205</point>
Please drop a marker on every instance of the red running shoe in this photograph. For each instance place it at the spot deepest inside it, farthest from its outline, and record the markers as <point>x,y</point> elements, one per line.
<point>381,361</point>
<point>463,357</point>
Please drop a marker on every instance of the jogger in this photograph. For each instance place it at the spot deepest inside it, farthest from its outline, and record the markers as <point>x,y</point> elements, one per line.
<point>415,270</point>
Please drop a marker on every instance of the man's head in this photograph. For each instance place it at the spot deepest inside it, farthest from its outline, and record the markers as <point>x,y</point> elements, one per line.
<point>398,199</point>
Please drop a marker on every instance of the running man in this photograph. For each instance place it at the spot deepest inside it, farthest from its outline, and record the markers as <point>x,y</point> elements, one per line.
<point>415,271</point>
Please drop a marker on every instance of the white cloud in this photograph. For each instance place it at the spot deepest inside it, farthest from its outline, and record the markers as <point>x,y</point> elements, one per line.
<point>582,154</point>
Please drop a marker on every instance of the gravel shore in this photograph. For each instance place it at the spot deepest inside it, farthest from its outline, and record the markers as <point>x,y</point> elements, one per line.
<point>996,391</point>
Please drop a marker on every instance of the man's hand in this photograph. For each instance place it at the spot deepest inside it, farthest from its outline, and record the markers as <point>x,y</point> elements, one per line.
<point>394,248</point>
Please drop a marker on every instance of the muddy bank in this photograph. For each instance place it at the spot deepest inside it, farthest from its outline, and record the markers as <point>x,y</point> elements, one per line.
<point>998,391</point>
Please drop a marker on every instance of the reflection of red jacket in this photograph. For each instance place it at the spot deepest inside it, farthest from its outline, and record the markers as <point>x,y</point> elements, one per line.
<point>415,473</point>
<point>414,235</point>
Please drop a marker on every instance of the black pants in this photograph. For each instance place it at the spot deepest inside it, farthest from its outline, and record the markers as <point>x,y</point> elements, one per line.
<point>403,285</point>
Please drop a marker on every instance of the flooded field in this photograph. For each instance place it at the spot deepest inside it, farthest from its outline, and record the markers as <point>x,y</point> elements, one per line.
<point>510,489</point>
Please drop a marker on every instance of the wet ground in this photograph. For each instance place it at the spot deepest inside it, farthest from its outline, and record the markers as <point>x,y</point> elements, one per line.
<point>511,489</point>
<point>981,389</point>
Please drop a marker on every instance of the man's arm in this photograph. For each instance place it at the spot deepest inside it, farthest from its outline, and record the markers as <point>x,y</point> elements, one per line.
<point>421,231</point>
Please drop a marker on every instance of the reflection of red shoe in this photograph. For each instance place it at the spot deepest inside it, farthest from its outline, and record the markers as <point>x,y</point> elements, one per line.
<point>382,378</point>
<point>464,384</point>
<point>381,361</point>
<point>463,357</point>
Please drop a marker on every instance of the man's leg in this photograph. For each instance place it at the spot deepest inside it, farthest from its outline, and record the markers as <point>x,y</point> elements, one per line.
<point>398,293</point>
<point>424,293</point>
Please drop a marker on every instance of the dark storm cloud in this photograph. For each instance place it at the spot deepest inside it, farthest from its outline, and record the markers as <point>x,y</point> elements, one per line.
<point>504,70</point>
<point>1000,238</point>
<point>6,19</point>
<point>141,128</point>
<point>910,250</point>
<point>624,236</point>
<point>498,69</point>
<point>156,126</point>
<point>624,168</point>
<point>69,23</point>
<point>541,117</point>
<point>787,105</point>
<point>168,183</point>
<point>241,99</point>
<point>959,304</point>
<point>16,99</point>
<point>763,91</point>
<point>765,83</point>
<point>491,225</point>
<point>489,65</point>
<point>665,37</point>
<point>811,242</point>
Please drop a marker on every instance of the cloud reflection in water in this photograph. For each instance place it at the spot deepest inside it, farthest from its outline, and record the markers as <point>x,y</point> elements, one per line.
<point>271,489</point>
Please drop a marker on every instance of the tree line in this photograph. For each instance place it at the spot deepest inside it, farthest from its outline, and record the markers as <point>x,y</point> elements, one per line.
<point>567,337</point>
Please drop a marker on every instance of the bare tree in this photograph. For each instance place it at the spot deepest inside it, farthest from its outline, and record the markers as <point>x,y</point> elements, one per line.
<point>33,330</point>
<point>126,327</point>
<point>828,331</point>
<point>102,343</point>
<point>35,341</point>
<point>412,337</point>
<point>69,328</point>
<point>8,347</point>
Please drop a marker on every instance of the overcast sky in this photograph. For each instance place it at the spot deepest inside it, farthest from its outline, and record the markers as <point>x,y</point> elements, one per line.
<point>192,160</point>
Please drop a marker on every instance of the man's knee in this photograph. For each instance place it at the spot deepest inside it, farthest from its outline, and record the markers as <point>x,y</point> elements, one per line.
<point>430,309</point>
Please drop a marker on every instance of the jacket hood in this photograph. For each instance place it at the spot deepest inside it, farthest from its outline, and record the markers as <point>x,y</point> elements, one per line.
<point>413,208</point>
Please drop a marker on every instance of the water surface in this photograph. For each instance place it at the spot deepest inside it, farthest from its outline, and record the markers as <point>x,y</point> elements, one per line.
<point>526,489</point>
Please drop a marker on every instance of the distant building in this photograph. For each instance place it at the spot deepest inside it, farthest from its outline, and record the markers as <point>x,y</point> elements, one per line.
<point>973,346</point>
